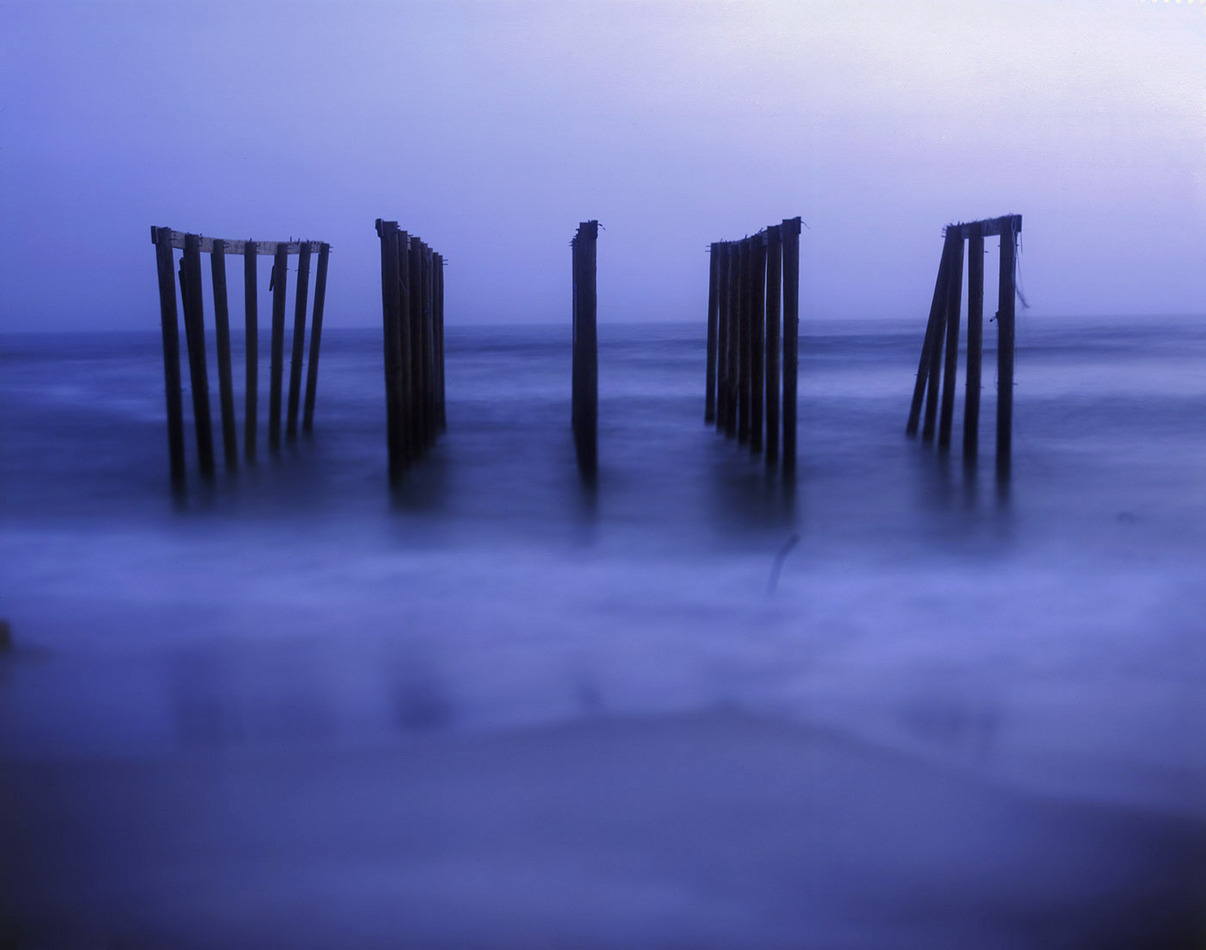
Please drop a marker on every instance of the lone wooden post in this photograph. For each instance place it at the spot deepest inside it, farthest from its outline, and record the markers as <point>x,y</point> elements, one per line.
<point>1005,336</point>
<point>757,338</point>
<point>953,296</point>
<point>280,271</point>
<point>251,348</point>
<point>774,271</point>
<point>194,329</point>
<point>320,293</point>
<point>230,438</point>
<point>975,339</point>
<point>790,229</point>
<point>585,397</point>
<point>171,351</point>
<point>299,339</point>
<point>713,317</point>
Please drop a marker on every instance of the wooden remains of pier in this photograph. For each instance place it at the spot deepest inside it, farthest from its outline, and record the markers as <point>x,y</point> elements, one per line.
<point>412,310</point>
<point>942,330</point>
<point>753,334</point>
<point>192,246</point>
<point>585,371</point>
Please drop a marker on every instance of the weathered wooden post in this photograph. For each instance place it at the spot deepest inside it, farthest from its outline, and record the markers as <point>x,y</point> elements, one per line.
<point>757,338</point>
<point>975,339</point>
<point>774,271</point>
<point>953,296</point>
<point>320,293</point>
<point>299,339</point>
<point>280,272</point>
<point>1005,337</point>
<point>733,352</point>
<point>230,438</point>
<point>171,351</point>
<point>388,232</point>
<point>441,413</point>
<point>585,396</point>
<point>251,348</point>
<point>720,259</point>
<point>194,330</point>
<point>790,234</point>
<point>743,339</point>
<point>414,270</point>
<point>932,328</point>
<point>939,338</point>
<point>710,370</point>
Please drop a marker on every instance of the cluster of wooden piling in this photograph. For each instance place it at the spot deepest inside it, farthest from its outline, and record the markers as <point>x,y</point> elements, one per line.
<point>749,280</point>
<point>191,295</point>
<point>943,329</point>
<point>585,399</point>
<point>412,310</point>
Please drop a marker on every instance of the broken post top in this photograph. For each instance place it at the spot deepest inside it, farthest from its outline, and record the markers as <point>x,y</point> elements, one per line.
<point>206,244</point>
<point>789,226</point>
<point>587,229</point>
<point>988,227</point>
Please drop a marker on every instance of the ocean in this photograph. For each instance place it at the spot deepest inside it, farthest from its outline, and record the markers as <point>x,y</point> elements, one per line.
<point>894,703</point>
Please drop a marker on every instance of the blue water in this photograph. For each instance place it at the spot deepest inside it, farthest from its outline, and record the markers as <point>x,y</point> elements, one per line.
<point>1045,637</point>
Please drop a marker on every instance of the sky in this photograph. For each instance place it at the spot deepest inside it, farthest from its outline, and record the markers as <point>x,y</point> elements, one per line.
<point>491,129</point>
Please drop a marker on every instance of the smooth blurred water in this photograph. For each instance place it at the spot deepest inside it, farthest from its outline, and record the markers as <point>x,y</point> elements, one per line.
<point>1053,630</point>
<point>500,708</point>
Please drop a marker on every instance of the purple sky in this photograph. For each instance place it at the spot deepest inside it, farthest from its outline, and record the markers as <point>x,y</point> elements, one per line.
<point>491,129</point>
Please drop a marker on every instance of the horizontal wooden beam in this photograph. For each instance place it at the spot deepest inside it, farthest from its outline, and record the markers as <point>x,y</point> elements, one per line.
<point>176,239</point>
<point>989,227</point>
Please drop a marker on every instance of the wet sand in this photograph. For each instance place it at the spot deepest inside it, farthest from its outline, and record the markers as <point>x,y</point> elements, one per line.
<point>715,829</point>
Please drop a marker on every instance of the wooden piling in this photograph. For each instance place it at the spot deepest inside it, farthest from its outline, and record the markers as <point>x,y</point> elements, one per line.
<point>585,410</point>
<point>937,315</point>
<point>320,293</point>
<point>1005,342</point>
<point>710,369</point>
<point>774,272</point>
<point>418,437</point>
<point>406,427</point>
<point>280,273</point>
<point>441,411</point>
<point>745,321</point>
<point>300,301</point>
<point>251,348</point>
<point>428,344</point>
<point>757,338</point>
<point>975,340</point>
<point>388,232</point>
<point>230,438</point>
<point>790,233</point>
<point>720,258</point>
<point>954,295</point>
<point>171,352</point>
<point>937,341</point>
<point>194,330</point>
<point>733,352</point>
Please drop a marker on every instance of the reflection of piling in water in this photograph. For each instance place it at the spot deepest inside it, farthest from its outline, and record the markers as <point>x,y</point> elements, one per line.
<point>412,313</point>
<point>585,369</point>
<point>753,303</point>
<point>192,312</point>
<point>943,330</point>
